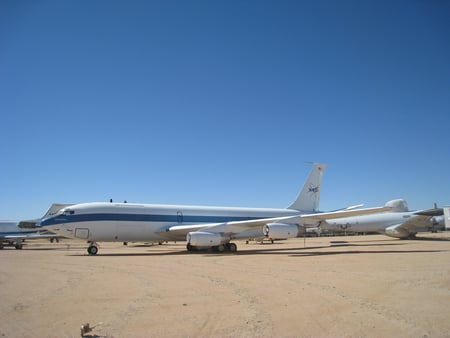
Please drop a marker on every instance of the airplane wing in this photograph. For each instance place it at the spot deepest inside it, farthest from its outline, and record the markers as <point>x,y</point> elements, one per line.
<point>236,227</point>
<point>16,239</point>
<point>28,236</point>
<point>415,224</point>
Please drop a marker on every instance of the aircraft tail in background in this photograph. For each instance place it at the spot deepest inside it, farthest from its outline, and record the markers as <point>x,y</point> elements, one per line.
<point>308,199</point>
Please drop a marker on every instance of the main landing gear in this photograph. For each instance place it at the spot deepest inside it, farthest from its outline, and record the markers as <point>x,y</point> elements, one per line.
<point>18,245</point>
<point>227,247</point>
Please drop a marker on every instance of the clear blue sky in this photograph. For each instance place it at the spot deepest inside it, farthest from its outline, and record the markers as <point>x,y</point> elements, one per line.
<point>223,102</point>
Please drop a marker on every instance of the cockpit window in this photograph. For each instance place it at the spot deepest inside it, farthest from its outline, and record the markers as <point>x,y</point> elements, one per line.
<point>68,212</point>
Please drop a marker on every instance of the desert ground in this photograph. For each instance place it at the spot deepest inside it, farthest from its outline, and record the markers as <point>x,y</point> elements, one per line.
<point>349,286</point>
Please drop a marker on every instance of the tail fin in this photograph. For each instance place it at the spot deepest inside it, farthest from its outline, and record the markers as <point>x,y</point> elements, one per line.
<point>54,208</point>
<point>308,199</point>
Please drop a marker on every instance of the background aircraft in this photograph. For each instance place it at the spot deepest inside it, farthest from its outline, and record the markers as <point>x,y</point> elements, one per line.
<point>200,226</point>
<point>13,233</point>
<point>399,222</point>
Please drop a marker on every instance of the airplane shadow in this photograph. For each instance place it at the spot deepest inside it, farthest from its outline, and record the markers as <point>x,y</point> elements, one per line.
<point>417,238</point>
<point>428,239</point>
<point>291,251</point>
<point>44,249</point>
<point>306,251</point>
<point>353,252</point>
<point>137,254</point>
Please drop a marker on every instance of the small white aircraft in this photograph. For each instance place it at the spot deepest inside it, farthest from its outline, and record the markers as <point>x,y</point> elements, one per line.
<point>13,233</point>
<point>201,226</point>
<point>399,222</point>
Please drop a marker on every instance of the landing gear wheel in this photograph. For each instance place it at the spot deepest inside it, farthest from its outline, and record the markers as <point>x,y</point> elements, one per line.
<point>218,248</point>
<point>92,250</point>
<point>18,245</point>
<point>232,247</point>
<point>189,247</point>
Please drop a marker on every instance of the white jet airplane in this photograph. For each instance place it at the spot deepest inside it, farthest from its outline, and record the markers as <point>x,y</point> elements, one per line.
<point>201,226</point>
<point>13,233</point>
<point>399,222</point>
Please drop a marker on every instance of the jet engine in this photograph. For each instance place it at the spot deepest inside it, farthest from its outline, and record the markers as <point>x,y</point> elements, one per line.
<point>200,238</point>
<point>28,225</point>
<point>398,232</point>
<point>280,230</point>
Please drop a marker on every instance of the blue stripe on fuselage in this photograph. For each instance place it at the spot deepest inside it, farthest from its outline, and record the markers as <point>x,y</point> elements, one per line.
<point>144,218</point>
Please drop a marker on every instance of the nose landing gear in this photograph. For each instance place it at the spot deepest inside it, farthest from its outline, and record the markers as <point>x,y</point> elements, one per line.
<point>92,249</point>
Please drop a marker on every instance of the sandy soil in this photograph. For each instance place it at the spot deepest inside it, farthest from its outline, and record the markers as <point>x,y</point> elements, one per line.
<point>358,286</point>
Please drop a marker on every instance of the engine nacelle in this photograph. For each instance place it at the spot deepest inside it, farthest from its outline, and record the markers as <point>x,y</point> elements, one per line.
<point>28,225</point>
<point>200,238</point>
<point>398,205</point>
<point>398,232</point>
<point>280,230</point>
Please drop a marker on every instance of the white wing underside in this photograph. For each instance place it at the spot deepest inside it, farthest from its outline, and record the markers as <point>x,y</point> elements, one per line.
<point>416,223</point>
<point>236,227</point>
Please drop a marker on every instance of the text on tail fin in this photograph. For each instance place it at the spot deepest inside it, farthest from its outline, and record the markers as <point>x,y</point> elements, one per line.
<point>309,196</point>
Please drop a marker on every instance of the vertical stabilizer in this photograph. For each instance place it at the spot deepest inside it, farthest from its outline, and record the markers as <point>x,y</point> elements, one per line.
<point>308,199</point>
<point>54,208</point>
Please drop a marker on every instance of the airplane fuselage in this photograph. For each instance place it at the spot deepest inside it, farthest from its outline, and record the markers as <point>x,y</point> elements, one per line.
<point>369,223</point>
<point>127,222</point>
<point>386,223</point>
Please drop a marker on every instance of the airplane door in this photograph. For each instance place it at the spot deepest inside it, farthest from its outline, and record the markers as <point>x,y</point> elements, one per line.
<point>179,217</point>
<point>82,233</point>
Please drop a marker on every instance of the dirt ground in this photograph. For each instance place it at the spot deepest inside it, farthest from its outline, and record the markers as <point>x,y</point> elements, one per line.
<point>355,286</point>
